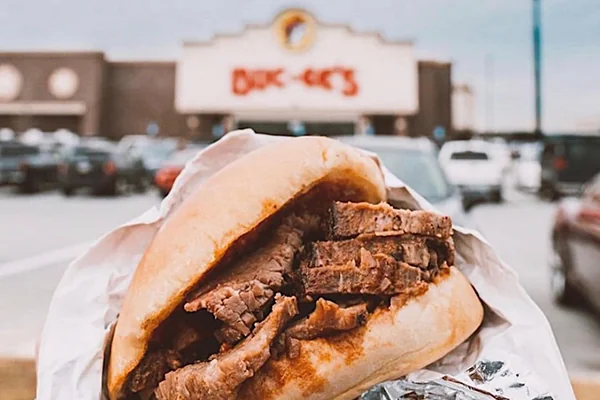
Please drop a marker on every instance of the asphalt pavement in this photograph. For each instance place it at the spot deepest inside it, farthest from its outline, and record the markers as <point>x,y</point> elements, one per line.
<point>50,222</point>
<point>40,234</point>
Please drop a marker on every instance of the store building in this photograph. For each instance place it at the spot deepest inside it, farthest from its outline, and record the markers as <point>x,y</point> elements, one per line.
<point>294,76</point>
<point>463,109</point>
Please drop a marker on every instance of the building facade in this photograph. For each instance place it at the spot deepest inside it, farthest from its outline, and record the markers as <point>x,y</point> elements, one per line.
<point>294,76</point>
<point>463,108</point>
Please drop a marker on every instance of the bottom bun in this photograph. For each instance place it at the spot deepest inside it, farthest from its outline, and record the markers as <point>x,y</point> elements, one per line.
<point>394,342</point>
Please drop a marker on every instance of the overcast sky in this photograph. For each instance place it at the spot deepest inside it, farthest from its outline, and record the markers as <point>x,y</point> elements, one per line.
<point>464,31</point>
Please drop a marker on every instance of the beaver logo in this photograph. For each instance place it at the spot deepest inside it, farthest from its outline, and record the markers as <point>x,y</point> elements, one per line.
<point>295,30</point>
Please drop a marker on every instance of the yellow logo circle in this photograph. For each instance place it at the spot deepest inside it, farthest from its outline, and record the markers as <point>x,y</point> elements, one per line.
<point>295,29</point>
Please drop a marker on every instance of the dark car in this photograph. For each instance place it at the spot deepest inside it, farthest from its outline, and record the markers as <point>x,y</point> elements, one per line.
<point>575,256</point>
<point>39,171</point>
<point>568,161</point>
<point>12,154</point>
<point>101,167</point>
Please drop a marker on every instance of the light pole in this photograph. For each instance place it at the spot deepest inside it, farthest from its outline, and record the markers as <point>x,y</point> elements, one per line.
<point>537,65</point>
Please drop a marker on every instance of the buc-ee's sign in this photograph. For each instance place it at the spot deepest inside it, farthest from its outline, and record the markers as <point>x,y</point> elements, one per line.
<point>335,79</point>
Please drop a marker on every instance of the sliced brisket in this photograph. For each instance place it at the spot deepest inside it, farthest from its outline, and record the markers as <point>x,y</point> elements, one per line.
<point>327,318</point>
<point>239,297</point>
<point>378,274</point>
<point>187,337</point>
<point>152,369</point>
<point>352,219</point>
<point>236,304</point>
<point>221,377</point>
<point>420,251</point>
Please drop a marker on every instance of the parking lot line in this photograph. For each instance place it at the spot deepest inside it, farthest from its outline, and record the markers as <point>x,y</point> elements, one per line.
<point>39,261</point>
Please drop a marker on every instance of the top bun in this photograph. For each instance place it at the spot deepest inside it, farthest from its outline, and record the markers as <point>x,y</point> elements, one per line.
<point>230,204</point>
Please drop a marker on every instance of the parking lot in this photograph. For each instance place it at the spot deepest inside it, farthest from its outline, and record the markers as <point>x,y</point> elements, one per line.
<point>42,233</point>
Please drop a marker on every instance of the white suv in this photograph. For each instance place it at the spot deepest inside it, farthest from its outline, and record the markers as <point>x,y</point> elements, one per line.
<point>475,167</point>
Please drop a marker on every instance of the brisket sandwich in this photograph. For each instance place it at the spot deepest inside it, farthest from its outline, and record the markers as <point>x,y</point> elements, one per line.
<point>286,275</point>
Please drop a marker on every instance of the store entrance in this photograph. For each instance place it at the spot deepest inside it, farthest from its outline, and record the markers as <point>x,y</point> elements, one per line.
<point>299,128</point>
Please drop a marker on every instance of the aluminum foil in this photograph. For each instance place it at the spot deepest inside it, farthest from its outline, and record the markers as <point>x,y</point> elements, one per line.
<point>485,380</point>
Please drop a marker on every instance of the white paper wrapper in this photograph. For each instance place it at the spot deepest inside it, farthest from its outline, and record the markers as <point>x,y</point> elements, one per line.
<point>88,299</point>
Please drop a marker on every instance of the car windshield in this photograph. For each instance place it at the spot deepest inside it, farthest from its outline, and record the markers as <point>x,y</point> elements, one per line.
<point>469,156</point>
<point>159,150</point>
<point>418,169</point>
<point>572,145</point>
<point>583,151</point>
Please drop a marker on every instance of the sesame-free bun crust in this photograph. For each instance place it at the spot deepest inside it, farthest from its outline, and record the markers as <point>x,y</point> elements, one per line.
<point>229,205</point>
<point>393,343</point>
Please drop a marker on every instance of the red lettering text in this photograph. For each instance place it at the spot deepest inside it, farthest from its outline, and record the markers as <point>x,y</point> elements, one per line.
<point>244,81</point>
<point>240,82</point>
<point>351,87</point>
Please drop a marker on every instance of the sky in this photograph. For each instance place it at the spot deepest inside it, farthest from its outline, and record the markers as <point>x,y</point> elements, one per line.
<point>466,32</point>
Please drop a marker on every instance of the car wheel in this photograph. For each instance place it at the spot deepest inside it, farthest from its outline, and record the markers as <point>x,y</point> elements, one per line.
<point>497,196</point>
<point>142,185</point>
<point>118,186</point>
<point>548,193</point>
<point>467,204</point>
<point>29,185</point>
<point>121,186</point>
<point>563,290</point>
<point>67,191</point>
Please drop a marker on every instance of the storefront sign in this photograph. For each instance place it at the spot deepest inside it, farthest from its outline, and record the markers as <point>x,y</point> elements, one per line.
<point>296,68</point>
<point>337,79</point>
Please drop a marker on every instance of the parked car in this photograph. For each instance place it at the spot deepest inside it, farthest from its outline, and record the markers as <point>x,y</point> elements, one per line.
<point>568,161</point>
<point>528,169</point>
<point>100,166</point>
<point>415,162</point>
<point>39,171</point>
<point>575,248</point>
<point>155,154</point>
<point>170,170</point>
<point>476,167</point>
<point>12,154</point>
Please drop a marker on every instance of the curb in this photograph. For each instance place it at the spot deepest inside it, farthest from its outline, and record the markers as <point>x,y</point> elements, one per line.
<point>586,385</point>
<point>17,378</point>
